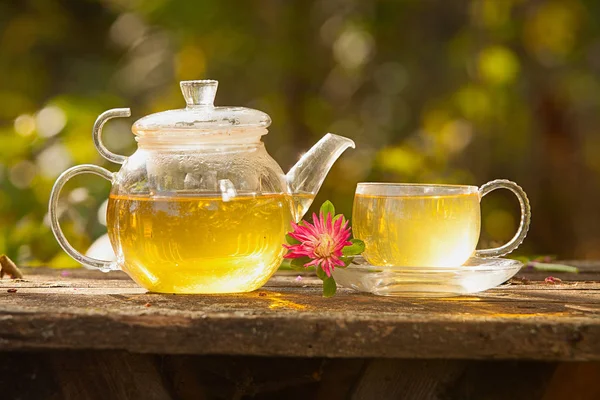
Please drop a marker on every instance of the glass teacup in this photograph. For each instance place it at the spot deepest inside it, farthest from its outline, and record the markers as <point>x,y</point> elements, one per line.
<point>421,225</point>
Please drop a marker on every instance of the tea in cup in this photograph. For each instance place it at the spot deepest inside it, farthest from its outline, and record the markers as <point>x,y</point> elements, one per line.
<point>421,225</point>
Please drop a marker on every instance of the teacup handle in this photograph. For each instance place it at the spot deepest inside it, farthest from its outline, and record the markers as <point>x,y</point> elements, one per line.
<point>55,225</point>
<point>525,217</point>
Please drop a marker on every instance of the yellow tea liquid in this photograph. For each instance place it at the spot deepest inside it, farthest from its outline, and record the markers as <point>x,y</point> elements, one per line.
<point>199,244</point>
<point>419,231</point>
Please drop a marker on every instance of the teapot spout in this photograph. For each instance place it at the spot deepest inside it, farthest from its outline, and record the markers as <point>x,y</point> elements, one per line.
<point>306,177</point>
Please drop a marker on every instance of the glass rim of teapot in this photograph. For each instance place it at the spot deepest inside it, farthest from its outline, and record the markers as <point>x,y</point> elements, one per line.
<point>413,189</point>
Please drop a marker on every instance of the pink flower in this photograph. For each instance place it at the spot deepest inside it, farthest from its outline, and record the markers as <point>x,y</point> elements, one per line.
<point>322,241</point>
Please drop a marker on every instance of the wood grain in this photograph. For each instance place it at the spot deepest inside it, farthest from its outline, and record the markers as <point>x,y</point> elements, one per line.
<point>92,310</point>
<point>123,375</point>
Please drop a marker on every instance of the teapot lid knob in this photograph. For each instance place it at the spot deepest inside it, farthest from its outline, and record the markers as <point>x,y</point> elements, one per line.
<point>199,92</point>
<point>201,116</point>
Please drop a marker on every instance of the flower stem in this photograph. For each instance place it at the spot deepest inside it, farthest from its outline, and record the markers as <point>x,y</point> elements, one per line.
<point>547,267</point>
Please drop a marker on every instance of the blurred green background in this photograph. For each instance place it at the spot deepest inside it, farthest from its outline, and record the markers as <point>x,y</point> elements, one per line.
<point>431,91</point>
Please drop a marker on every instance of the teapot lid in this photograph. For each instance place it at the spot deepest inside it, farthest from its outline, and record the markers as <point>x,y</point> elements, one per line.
<point>200,115</point>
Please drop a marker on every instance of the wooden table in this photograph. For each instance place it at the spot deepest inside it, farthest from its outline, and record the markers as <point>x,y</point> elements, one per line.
<point>82,334</point>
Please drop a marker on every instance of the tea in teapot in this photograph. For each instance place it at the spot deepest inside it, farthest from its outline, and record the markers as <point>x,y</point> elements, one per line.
<point>201,207</point>
<point>215,245</point>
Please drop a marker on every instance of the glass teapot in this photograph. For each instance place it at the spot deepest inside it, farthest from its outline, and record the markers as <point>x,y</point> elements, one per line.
<point>200,207</point>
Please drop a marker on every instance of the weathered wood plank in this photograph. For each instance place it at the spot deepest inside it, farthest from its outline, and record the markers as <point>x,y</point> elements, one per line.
<point>106,375</point>
<point>407,379</point>
<point>91,310</point>
<point>575,381</point>
<point>457,379</point>
<point>123,375</point>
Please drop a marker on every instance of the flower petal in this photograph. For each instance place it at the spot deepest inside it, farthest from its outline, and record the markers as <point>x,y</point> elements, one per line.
<point>318,221</point>
<point>314,262</point>
<point>329,225</point>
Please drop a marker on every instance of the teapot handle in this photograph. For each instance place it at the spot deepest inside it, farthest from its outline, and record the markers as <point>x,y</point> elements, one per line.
<point>86,261</point>
<point>97,132</point>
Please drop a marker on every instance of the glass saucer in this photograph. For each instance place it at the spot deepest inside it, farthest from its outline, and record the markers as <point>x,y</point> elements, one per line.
<point>476,275</point>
